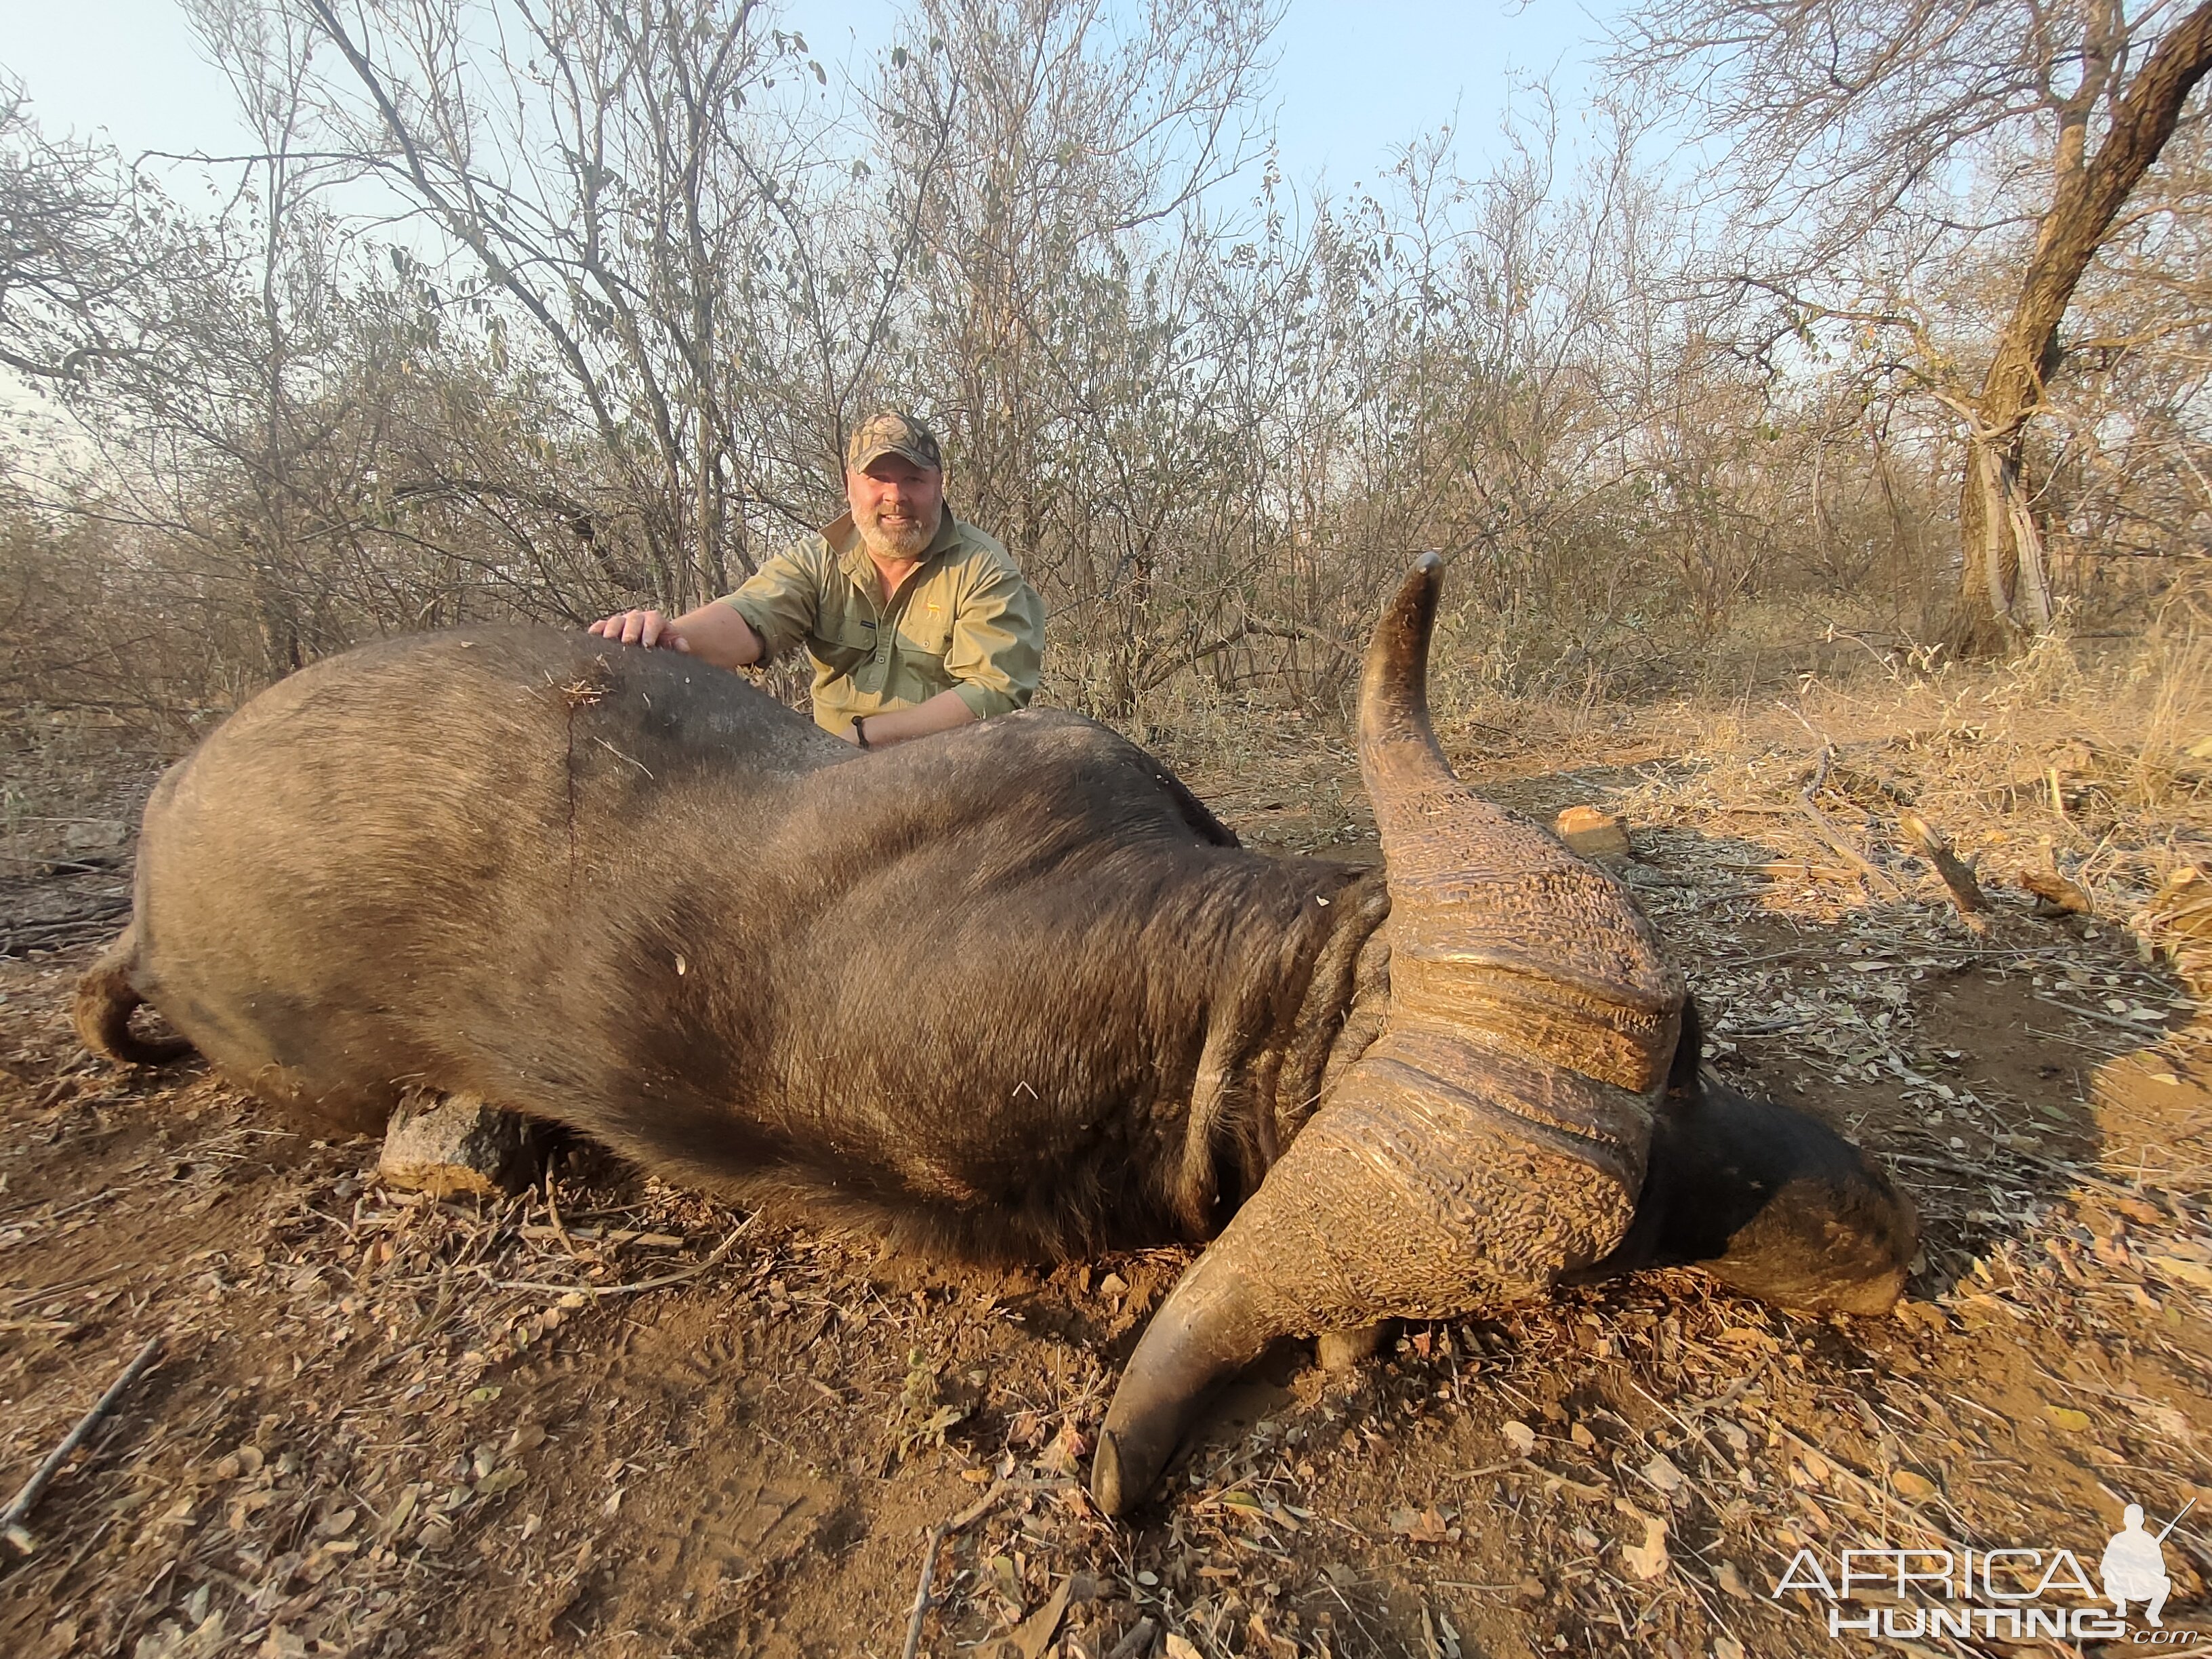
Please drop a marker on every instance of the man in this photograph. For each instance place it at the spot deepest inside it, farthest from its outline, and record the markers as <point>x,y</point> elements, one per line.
<point>915,622</point>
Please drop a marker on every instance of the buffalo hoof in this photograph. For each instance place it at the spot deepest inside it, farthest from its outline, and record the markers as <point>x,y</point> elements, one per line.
<point>454,1144</point>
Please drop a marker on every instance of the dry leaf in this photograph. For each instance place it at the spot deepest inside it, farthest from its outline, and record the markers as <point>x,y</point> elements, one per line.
<point>1662,1472</point>
<point>1906,1484</point>
<point>1648,1560</point>
<point>1067,1450</point>
<point>1732,1583</point>
<point>1419,1526</point>
<point>2183,1271</point>
<point>1034,1634</point>
<point>1179,1648</point>
<point>335,1526</point>
<point>1519,1435</point>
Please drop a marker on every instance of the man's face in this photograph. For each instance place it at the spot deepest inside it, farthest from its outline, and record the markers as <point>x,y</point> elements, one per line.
<point>896,505</point>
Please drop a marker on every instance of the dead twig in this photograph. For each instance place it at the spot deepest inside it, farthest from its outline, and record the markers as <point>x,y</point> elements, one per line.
<point>51,866</point>
<point>12,1517</point>
<point>1958,878</point>
<point>636,1285</point>
<point>1834,837</point>
<point>937,1534</point>
<point>66,1287</point>
<point>1791,870</point>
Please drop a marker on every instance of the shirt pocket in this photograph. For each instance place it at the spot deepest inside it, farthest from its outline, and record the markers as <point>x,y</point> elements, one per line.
<point>926,632</point>
<point>848,643</point>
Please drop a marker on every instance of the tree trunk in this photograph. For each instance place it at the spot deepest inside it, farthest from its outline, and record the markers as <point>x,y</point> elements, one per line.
<point>2004,587</point>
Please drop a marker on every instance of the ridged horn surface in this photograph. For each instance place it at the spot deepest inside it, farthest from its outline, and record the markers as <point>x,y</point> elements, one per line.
<point>1499,934</point>
<point>1492,1138</point>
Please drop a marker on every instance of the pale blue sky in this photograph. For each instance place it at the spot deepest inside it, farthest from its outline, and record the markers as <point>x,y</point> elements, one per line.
<point>1352,81</point>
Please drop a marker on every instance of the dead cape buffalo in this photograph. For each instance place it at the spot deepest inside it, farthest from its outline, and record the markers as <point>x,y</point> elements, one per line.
<point>1011,991</point>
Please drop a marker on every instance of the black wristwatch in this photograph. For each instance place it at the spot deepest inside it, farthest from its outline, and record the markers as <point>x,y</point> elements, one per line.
<point>860,736</point>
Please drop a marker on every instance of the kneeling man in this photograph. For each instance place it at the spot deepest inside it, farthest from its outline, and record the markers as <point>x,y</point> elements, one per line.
<point>914,621</point>
<point>2134,1569</point>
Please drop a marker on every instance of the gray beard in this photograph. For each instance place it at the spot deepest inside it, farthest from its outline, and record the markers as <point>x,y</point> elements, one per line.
<point>904,545</point>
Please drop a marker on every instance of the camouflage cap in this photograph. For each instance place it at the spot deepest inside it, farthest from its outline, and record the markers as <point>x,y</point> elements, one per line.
<point>892,432</point>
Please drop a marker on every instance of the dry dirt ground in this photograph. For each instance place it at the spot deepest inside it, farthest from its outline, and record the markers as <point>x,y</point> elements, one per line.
<point>610,1418</point>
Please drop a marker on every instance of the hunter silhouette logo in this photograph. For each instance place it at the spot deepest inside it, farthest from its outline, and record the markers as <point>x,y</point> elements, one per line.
<point>2008,1593</point>
<point>2134,1564</point>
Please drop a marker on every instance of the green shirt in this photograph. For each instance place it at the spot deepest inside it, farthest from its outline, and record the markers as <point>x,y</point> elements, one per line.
<point>965,621</point>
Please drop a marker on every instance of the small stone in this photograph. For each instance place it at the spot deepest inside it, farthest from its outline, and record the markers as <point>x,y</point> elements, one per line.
<point>452,1145</point>
<point>1592,833</point>
<point>1338,1351</point>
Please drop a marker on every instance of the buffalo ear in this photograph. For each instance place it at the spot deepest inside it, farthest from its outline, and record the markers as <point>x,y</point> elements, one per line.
<point>1689,1050</point>
<point>1771,1202</point>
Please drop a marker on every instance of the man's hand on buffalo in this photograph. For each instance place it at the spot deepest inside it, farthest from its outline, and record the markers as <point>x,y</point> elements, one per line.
<point>713,633</point>
<point>650,628</point>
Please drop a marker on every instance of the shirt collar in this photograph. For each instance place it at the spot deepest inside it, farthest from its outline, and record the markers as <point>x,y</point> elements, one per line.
<point>844,536</point>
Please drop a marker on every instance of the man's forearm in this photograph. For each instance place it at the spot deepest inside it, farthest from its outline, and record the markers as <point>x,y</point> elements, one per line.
<point>717,634</point>
<point>940,714</point>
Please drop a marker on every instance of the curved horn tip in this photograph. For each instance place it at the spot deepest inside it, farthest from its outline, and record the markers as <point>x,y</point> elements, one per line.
<point>1130,1457</point>
<point>1108,1489</point>
<point>1205,1332</point>
<point>1415,605</point>
<point>1393,697</point>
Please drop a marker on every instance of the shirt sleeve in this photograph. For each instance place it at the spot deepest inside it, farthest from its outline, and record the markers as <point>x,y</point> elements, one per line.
<point>781,600</point>
<point>997,644</point>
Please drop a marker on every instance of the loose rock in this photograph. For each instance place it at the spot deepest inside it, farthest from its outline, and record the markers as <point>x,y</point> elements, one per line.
<point>1592,833</point>
<point>450,1145</point>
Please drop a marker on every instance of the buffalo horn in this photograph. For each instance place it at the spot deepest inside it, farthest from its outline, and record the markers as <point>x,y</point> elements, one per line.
<point>1492,1138</point>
